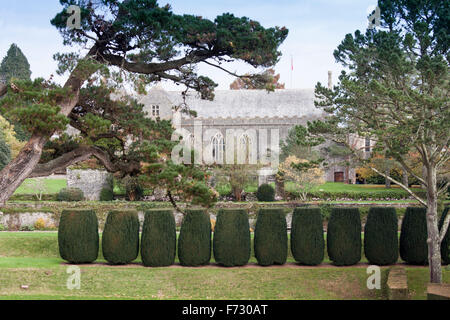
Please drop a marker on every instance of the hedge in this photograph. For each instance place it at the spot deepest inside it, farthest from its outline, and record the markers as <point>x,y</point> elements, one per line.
<point>120,240</point>
<point>307,241</point>
<point>106,194</point>
<point>381,236</point>
<point>445,245</point>
<point>231,243</point>
<point>159,238</point>
<point>413,237</point>
<point>78,238</point>
<point>194,242</point>
<point>70,194</point>
<point>271,242</point>
<point>344,236</point>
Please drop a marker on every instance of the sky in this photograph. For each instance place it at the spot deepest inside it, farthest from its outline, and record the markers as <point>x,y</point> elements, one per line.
<point>316,28</point>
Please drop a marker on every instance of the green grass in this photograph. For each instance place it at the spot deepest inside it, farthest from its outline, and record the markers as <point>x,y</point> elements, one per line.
<point>31,258</point>
<point>50,186</point>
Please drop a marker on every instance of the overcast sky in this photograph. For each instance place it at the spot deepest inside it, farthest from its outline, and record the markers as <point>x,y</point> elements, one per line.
<point>316,27</point>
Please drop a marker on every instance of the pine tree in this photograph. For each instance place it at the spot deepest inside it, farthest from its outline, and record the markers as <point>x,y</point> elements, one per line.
<point>14,65</point>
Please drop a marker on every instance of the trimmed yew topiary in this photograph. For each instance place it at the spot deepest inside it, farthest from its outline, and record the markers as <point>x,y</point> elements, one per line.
<point>344,236</point>
<point>381,236</point>
<point>307,242</point>
<point>413,237</point>
<point>159,238</point>
<point>78,238</point>
<point>120,240</point>
<point>194,242</point>
<point>271,242</point>
<point>265,193</point>
<point>231,243</point>
<point>445,245</point>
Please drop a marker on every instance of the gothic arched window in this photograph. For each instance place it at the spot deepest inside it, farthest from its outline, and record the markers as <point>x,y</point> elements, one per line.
<point>218,148</point>
<point>245,148</point>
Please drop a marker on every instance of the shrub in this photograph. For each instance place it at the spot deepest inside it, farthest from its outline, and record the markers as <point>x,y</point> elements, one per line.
<point>413,237</point>
<point>2,227</point>
<point>40,224</point>
<point>106,194</point>
<point>231,243</point>
<point>70,194</point>
<point>159,238</point>
<point>381,236</point>
<point>133,190</point>
<point>120,240</point>
<point>344,236</point>
<point>265,193</point>
<point>78,238</point>
<point>271,243</point>
<point>445,245</point>
<point>307,242</point>
<point>26,228</point>
<point>194,242</point>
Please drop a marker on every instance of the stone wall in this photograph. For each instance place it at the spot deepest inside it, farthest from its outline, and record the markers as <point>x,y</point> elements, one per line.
<point>91,182</point>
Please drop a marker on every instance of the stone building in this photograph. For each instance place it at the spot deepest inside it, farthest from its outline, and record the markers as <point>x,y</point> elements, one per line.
<point>257,118</point>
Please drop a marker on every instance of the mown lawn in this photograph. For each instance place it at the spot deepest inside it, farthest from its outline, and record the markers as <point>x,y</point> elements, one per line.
<point>49,186</point>
<point>31,258</point>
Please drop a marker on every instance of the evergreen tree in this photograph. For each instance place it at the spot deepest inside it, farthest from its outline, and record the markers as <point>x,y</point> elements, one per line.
<point>5,152</point>
<point>14,65</point>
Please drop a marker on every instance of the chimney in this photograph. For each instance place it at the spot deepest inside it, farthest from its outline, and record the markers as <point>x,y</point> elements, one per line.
<point>330,80</point>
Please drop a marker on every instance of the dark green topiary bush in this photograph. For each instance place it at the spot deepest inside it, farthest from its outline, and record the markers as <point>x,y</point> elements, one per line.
<point>120,240</point>
<point>381,236</point>
<point>265,193</point>
<point>159,238</point>
<point>231,242</point>
<point>106,194</point>
<point>78,238</point>
<point>271,241</point>
<point>194,242</point>
<point>344,236</point>
<point>307,242</point>
<point>445,245</point>
<point>413,237</point>
<point>70,194</point>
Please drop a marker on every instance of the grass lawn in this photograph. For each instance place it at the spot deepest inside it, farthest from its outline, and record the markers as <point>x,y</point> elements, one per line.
<point>31,258</point>
<point>50,186</point>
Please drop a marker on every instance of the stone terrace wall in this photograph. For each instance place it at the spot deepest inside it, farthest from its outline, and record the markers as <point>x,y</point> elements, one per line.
<point>91,182</point>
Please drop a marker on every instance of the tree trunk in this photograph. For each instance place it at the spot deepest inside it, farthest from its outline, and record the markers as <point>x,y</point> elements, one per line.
<point>21,167</point>
<point>388,182</point>
<point>405,178</point>
<point>434,244</point>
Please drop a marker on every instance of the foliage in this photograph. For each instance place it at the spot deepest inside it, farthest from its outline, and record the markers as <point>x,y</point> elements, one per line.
<point>70,194</point>
<point>271,240</point>
<point>231,243</point>
<point>238,176</point>
<point>265,193</point>
<point>78,238</point>
<point>413,237</point>
<point>307,241</point>
<point>5,152</point>
<point>266,80</point>
<point>9,134</point>
<point>159,239</point>
<point>133,189</point>
<point>344,236</point>
<point>381,236</point>
<point>445,245</point>
<point>15,65</point>
<point>106,194</point>
<point>120,239</point>
<point>194,242</point>
<point>306,175</point>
